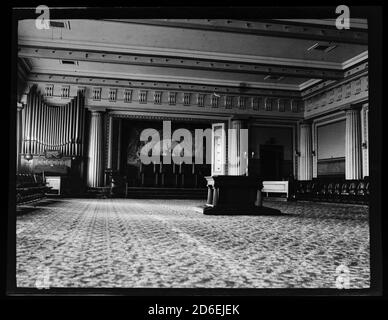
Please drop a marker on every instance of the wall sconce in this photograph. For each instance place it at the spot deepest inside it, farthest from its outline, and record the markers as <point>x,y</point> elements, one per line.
<point>364,145</point>
<point>313,153</point>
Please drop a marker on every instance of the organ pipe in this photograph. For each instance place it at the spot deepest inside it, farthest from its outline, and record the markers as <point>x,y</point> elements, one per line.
<point>44,127</point>
<point>39,126</point>
<point>74,125</point>
<point>56,128</point>
<point>61,129</point>
<point>68,128</point>
<point>26,112</point>
<point>77,127</point>
<point>51,127</point>
<point>33,125</point>
<point>48,127</point>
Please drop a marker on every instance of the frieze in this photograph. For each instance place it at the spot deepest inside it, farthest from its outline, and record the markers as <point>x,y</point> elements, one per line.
<point>121,98</point>
<point>349,75</point>
<point>121,84</point>
<point>349,92</point>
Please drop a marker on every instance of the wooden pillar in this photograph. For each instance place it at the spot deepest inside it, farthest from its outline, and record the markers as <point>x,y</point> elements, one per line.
<point>95,154</point>
<point>353,167</point>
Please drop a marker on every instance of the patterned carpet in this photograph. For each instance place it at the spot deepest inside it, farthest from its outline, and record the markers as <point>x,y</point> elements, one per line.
<point>170,243</point>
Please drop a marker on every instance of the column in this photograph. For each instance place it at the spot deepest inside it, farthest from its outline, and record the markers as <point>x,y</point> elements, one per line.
<point>119,144</point>
<point>365,140</point>
<point>353,166</point>
<point>305,147</point>
<point>110,143</point>
<point>19,133</point>
<point>95,153</point>
<point>238,148</point>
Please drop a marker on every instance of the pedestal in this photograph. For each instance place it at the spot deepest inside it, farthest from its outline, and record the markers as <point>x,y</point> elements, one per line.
<point>235,195</point>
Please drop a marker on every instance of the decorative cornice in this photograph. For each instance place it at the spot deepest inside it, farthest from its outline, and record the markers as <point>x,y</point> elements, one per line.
<point>264,28</point>
<point>179,62</point>
<point>242,89</point>
<point>150,116</point>
<point>117,49</point>
<point>101,98</point>
<point>338,96</point>
<point>355,60</point>
<point>351,74</point>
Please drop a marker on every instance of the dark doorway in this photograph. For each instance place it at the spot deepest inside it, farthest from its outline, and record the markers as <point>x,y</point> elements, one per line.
<point>271,160</point>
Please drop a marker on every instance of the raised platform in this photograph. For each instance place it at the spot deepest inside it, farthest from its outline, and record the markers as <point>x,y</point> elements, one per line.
<point>151,193</point>
<point>166,193</point>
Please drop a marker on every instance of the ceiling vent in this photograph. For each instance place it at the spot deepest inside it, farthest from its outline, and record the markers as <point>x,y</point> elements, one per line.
<point>322,47</point>
<point>69,62</point>
<point>60,24</point>
<point>273,77</point>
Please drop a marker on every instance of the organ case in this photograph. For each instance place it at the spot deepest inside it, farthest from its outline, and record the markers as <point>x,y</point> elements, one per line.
<point>54,136</point>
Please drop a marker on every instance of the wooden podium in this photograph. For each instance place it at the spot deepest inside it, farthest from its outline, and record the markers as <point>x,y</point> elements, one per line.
<point>235,195</point>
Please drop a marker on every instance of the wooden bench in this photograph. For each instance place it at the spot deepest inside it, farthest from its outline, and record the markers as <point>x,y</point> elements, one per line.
<point>30,187</point>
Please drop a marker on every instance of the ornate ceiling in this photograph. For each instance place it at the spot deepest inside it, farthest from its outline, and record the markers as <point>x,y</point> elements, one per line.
<point>268,54</point>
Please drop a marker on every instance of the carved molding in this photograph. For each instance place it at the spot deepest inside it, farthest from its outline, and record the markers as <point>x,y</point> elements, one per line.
<point>120,84</point>
<point>349,75</point>
<point>344,93</point>
<point>176,100</point>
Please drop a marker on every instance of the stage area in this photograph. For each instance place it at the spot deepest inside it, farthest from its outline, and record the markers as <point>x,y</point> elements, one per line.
<point>135,243</point>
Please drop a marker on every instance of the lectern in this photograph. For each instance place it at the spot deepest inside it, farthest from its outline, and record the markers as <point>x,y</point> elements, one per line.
<point>235,195</point>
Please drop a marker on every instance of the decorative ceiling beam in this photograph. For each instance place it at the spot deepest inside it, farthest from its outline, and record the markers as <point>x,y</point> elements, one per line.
<point>271,28</point>
<point>179,62</point>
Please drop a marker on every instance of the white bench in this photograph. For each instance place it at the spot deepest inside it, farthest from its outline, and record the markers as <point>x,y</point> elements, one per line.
<point>275,187</point>
<point>54,183</point>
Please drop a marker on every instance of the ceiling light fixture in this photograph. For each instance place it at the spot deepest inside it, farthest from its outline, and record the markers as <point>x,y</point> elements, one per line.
<point>322,47</point>
<point>273,77</point>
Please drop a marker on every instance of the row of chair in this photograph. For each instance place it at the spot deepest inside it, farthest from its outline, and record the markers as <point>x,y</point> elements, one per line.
<point>30,187</point>
<point>347,191</point>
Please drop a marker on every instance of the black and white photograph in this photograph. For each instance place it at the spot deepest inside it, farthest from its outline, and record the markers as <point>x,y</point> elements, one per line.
<point>155,151</point>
